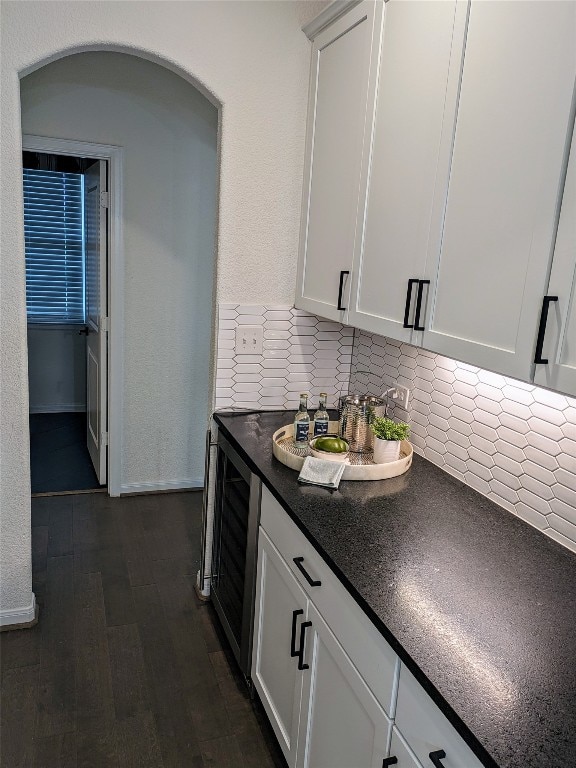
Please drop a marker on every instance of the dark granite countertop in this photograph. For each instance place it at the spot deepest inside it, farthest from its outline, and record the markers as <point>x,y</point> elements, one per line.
<point>480,606</point>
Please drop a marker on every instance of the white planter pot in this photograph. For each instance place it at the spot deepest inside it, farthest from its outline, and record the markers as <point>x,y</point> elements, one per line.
<point>386,450</point>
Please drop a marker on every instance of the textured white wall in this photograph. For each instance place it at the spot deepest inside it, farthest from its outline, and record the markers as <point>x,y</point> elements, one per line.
<point>56,369</point>
<point>253,59</point>
<point>169,134</point>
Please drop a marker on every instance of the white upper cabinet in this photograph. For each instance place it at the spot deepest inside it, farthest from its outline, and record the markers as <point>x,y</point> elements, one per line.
<point>420,66</point>
<point>490,274</point>
<point>558,323</point>
<point>342,89</point>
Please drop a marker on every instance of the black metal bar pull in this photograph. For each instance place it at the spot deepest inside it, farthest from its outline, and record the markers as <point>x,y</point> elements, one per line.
<point>436,757</point>
<point>411,282</point>
<point>293,650</point>
<point>303,627</point>
<point>298,563</point>
<point>538,359</point>
<point>421,284</point>
<point>341,287</point>
<point>389,761</point>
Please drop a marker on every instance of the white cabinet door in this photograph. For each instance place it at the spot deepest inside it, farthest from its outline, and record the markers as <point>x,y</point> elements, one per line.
<point>422,48</point>
<point>342,88</point>
<point>401,752</point>
<point>341,723</point>
<point>506,174</point>
<point>559,340</point>
<point>279,613</point>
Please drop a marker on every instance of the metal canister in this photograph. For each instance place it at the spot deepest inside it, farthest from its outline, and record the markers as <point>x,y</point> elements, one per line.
<point>355,414</point>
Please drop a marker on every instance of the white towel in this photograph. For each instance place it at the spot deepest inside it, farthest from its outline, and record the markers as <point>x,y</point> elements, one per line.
<point>321,472</point>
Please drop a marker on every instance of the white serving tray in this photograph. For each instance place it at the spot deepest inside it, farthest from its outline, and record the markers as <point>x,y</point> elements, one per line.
<point>359,466</point>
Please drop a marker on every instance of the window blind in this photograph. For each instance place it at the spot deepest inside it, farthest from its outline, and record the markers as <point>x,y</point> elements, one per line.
<point>54,236</point>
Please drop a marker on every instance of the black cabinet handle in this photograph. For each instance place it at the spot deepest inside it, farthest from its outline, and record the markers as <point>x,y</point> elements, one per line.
<point>389,761</point>
<point>293,650</point>
<point>341,287</point>
<point>436,757</point>
<point>421,284</point>
<point>538,359</point>
<point>298,563</point>
<point>300,654</point>
<point>409,302</point>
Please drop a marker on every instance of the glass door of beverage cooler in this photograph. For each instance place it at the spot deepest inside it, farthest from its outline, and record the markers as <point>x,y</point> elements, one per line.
<point>236,518</point>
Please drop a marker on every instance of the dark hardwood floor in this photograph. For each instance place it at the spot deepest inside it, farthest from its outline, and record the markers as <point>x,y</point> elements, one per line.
<point>126,667</point>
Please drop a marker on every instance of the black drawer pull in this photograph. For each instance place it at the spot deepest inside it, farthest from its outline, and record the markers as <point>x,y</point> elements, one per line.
<point>538,359</point>
<point>436,757</point>
<point>293,650</point>
<point>389,761</point>
<point>300,653</point>
<point>421,284</point>
<point>409,302</point>
<point>341,288</point>
<point>298,563</point>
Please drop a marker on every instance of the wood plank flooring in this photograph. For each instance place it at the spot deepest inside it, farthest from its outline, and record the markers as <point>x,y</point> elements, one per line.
<point>126,667</point>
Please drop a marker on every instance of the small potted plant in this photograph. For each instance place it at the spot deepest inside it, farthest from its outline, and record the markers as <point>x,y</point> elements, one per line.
<point>388,435</point>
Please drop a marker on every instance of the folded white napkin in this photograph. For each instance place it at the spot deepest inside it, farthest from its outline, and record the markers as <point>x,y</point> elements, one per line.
<point>321,472</point>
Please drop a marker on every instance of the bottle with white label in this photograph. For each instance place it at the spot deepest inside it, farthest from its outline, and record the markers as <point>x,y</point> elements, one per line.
<point>302,423</point>
<point>321,418</point>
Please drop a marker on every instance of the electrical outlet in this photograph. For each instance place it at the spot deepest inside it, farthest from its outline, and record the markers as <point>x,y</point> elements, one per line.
<point>400,396</point>
<point>249,339</point>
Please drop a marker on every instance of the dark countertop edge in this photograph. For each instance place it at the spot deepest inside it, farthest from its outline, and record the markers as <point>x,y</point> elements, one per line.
<point>460,726</point>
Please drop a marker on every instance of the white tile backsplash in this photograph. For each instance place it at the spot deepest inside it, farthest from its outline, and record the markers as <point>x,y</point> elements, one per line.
<point>510,440</point>
<point>301,353</point>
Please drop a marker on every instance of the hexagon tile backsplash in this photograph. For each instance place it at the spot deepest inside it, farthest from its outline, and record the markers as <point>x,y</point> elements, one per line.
<point>301,353</point>
<point>512,441</point>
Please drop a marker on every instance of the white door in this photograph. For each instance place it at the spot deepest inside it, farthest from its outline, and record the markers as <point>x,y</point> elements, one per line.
<point>95,239</point>
<point>341,723</point>
<point>342,88</point>
<point>280,612</point>
<point>422,49</point>
<point>558,342</point>
<point>506,175</point>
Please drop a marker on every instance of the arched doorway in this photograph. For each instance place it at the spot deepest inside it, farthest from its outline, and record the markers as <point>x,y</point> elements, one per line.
<point>161,295</point>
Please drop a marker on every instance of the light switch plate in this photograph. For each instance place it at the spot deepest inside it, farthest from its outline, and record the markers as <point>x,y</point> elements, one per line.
<point>249,339</point>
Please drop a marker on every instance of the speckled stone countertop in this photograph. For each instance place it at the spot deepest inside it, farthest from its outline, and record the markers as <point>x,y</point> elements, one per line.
<point>480,606</point>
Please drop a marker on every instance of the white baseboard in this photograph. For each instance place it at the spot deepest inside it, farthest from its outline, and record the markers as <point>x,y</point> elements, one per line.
<point>59,408</point>
<point>14,616</point>
<point>169,485</point>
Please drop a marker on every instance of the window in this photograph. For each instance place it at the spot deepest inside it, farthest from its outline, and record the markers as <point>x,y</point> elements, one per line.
<point>54,235</point>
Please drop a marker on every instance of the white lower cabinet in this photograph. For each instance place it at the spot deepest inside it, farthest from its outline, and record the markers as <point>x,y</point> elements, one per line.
<point>320,708</point>
<point>401,752</point>
<point>341,723</point>
<point>432,739</point>
<point>334,691</point>
<point>280,602</point>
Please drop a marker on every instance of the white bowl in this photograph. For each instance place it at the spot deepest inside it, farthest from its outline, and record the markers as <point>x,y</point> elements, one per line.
<point>328,455</point>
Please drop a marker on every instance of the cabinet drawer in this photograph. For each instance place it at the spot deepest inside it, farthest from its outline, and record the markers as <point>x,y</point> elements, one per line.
<point>426,729</point>
<point>365,646</point>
